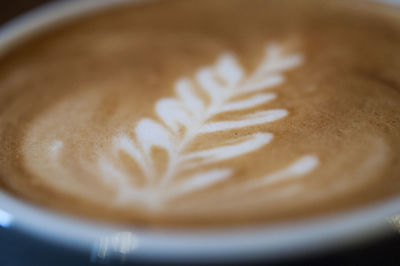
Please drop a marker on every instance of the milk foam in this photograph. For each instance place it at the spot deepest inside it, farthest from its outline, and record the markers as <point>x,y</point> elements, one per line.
<point>182,119</point>
<point>215,112</point>
<point>223,83</point>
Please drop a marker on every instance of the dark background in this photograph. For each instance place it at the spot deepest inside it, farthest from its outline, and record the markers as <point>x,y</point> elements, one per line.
<point>17,249</point>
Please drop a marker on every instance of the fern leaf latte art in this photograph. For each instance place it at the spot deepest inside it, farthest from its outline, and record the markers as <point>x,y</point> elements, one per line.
<point>205,113</point>
<point>190,112</point>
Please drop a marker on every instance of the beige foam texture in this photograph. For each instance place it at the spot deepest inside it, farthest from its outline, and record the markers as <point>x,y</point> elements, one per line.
<point>87,81</point>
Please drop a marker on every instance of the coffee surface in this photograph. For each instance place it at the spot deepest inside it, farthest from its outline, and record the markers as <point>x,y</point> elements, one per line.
<point>206,113</point>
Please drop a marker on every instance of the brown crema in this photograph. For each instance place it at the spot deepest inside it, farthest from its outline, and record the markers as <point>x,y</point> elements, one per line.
<point>205,113</point>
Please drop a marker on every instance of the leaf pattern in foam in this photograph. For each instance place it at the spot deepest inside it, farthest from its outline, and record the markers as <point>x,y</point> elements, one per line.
<point>228,89</point>
<point>208,82</point>
<point>229,70</point>
<point>257,118</point>
<point>123,143</point>
<point>201,180</point>
<point>251,102</point>
<point>173,113</point>
<point>150,133</point>
<point>188,97</point>
<point>241,146</point>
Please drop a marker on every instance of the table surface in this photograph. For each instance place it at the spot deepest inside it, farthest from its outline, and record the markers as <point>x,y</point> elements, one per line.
<point>17,249</point>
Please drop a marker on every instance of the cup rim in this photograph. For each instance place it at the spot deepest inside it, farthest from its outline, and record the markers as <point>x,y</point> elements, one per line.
<point>269,241</point>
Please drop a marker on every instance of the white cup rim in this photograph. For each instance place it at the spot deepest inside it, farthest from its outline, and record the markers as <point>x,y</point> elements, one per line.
<point>271,242</point>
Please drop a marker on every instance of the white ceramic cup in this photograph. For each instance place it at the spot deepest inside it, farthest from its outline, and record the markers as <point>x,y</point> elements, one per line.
<point>103,240</point>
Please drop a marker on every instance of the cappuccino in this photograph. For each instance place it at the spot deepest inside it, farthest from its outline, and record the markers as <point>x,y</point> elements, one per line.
<point>206,113</point>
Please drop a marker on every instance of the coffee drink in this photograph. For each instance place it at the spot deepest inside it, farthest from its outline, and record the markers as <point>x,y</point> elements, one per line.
<point>206,113</point>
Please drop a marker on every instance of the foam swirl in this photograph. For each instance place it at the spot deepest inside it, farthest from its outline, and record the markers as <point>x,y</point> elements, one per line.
<point>182,119</point>
<point>196,116</point>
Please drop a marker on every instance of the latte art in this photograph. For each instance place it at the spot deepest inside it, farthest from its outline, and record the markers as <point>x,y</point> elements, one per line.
<point>189,111</point>
<point>136,116</point>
